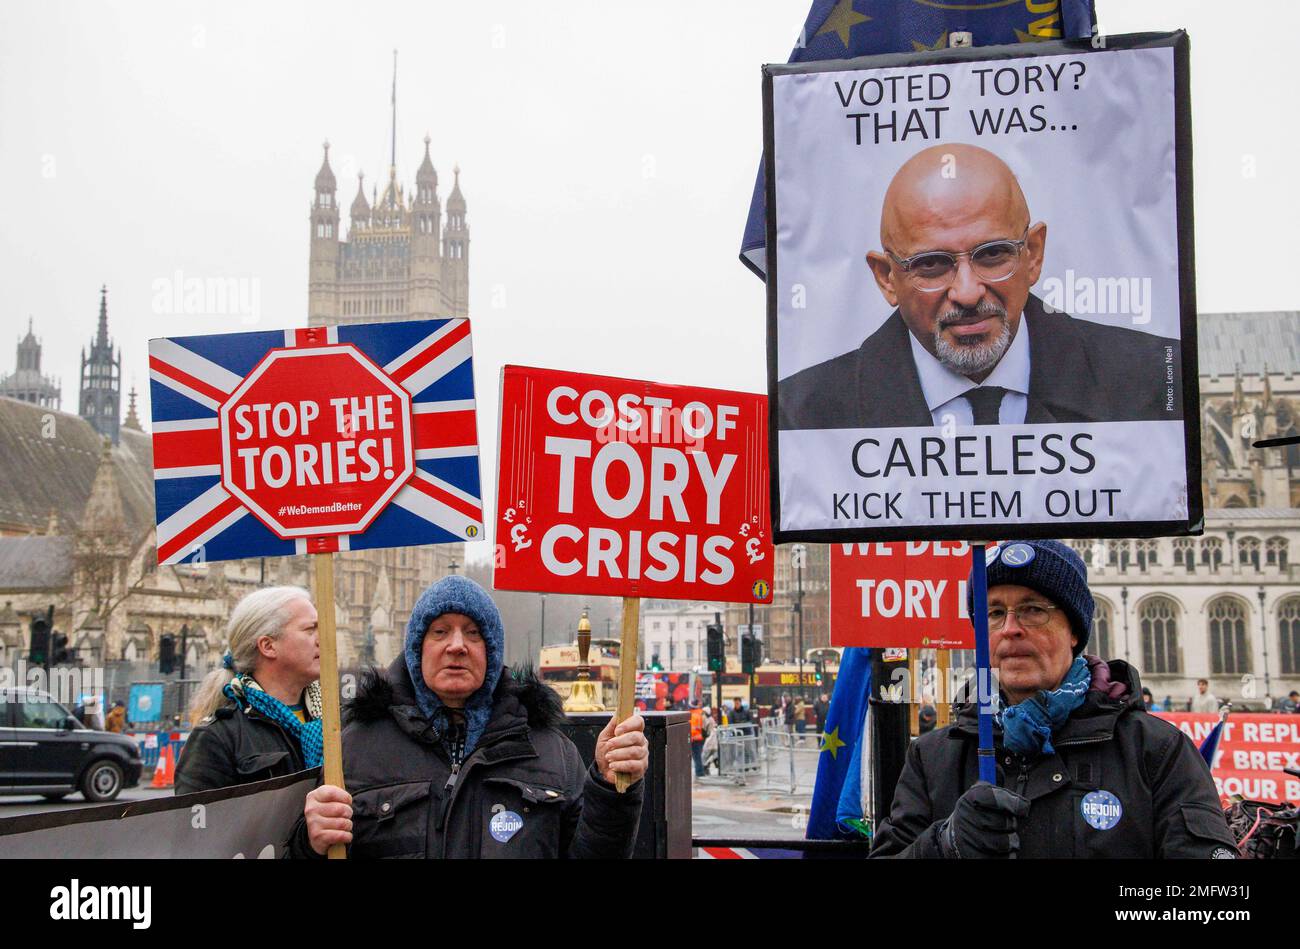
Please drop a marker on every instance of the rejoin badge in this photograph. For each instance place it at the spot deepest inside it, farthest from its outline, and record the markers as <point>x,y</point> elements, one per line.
<point>1101,810</point>
<point>1017,555</point>
<point>505,824</point>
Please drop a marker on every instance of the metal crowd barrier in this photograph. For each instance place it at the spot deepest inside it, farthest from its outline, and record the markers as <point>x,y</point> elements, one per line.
<point>739,752</point>
<point>790,758</point>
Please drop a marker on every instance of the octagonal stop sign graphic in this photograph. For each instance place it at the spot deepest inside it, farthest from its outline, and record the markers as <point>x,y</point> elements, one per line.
<point>316,441</point>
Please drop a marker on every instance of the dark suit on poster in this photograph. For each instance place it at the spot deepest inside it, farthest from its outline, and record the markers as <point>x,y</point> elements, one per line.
<point>1079,372</point>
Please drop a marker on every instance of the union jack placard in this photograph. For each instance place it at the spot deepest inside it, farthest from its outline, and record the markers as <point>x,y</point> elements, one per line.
<point>314,440</point>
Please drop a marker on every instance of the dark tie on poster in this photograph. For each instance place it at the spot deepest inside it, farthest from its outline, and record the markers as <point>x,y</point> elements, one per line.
<point>985,403</point>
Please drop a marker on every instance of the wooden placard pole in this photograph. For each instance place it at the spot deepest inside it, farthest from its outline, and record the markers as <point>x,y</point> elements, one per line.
<point>627,671</point>
<point>942,694</point>
<point>329,680</point>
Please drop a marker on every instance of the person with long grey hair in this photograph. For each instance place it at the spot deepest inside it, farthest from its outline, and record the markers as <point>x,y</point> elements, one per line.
<point>259,715</point>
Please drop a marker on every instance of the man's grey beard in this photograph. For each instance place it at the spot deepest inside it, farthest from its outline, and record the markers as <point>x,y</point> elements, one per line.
<point>972,359</point>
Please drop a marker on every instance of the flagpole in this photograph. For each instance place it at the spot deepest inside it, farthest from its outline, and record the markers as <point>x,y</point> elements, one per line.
<point>983,672</point>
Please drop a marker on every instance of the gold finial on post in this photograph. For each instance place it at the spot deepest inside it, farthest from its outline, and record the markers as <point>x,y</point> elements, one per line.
<point>585,695</point>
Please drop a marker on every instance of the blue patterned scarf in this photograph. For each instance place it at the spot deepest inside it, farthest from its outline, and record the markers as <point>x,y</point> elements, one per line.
<point>244,690</point>
<point>1028,726</point>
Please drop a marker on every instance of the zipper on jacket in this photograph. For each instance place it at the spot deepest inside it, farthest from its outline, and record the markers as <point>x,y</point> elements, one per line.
<point>1023,778</point>
<point>452,789</point>
<point>1082,741</point>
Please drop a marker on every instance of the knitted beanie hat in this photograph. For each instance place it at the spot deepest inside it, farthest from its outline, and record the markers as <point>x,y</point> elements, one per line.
<point>456,594</point>
<point>1053,569</point>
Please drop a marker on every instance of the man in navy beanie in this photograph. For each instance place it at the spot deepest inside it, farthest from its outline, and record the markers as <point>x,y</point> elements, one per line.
<point>1083,770</point>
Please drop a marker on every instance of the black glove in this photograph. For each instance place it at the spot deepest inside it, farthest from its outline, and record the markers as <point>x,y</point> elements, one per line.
<point>983,824</point>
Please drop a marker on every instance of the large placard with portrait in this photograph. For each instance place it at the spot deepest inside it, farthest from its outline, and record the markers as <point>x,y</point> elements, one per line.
<point>981,309</point>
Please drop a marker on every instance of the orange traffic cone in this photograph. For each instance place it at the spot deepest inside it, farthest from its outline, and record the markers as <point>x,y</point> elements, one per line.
<point>164,772</point>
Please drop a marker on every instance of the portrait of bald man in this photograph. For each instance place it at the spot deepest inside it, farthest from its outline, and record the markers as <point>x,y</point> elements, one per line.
<point>967,341</point>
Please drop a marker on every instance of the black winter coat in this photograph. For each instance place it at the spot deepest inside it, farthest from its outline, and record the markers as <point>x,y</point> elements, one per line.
<point>1170,807</point>
<point>524,780</point>
<point>236,746</point>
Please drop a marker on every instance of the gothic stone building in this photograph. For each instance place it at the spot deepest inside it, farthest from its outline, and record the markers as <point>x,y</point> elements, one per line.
<point>402,260</point>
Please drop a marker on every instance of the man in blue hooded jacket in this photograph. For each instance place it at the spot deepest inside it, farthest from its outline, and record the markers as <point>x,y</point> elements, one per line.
<point>449,755</point>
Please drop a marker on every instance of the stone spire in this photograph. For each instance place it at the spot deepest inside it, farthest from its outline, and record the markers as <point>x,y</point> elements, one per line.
<point>132,420</point>
<point>103,514</point>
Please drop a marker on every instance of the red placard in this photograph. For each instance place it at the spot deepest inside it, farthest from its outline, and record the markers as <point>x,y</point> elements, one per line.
<point>1252,752</point>
<point>909,594</point>
<point>619,487</point>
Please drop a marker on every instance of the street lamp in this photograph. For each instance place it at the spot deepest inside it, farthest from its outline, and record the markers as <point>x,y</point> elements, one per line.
<point>799,551</point>
<point>543,646</point>
<point>1263,632</point>
<point>453,566</point>
<point>1123,599</point>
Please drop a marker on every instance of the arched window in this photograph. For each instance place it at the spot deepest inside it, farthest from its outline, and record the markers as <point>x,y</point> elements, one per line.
<point>1288,629</point>
<point>1248,552</point>
<point>1212,552</point>
<point>1229,652</point>
<point>1119,553</point>
<point>1275,552</point>
<point>1084,549</point>
<point>1158,620</point>
<point>1184,553</point>
<point>1100,643</point>
<point>1148,554</point>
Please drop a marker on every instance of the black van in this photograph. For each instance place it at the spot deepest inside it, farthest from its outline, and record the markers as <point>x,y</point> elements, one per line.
<point>44,750</point>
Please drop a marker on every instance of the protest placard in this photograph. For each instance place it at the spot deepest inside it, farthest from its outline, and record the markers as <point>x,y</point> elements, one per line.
<point>620,487</point>
<point>315,440</point>
<point>981,309</point>
<point>910,595</point>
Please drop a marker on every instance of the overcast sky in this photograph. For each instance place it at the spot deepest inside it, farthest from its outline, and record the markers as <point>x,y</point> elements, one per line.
<point>607,151</point>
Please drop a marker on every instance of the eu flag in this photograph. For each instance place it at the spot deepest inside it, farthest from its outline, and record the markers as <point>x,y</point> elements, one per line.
<point>839,766</point>
<point>844,29</point>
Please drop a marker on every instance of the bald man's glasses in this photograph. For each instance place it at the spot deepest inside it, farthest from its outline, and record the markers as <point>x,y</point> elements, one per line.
<point>935,270</point>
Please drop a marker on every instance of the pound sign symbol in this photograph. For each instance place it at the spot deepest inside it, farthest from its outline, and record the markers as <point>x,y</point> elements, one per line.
<point>751,548</point>
<point>509,515</point>
<point>517,537</point>
<point>744,530</point>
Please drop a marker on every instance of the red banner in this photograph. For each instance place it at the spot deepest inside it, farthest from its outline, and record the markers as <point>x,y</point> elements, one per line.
<point>1252,752</point>
<point>910,594</point>
<point>617,487</point>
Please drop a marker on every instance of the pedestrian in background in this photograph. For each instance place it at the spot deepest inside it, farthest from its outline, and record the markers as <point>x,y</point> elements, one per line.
<point>115,721</point>
<point>1204,700</point>
<point>820,710</point>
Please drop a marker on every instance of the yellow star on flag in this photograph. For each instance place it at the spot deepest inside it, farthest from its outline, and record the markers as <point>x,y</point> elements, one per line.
<point>1037,37</point>
<point>940,43</point>
<point>831,741</point>
<point>842,19</point>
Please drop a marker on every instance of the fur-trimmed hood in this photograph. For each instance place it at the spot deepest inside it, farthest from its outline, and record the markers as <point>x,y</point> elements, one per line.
<point>520,696</point>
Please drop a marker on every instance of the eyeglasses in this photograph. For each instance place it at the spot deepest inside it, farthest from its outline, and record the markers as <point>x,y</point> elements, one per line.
<point>1030,615</point>
<point>935,270</point>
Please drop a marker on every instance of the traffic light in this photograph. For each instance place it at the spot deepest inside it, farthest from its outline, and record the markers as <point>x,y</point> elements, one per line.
<point>751,653</point>
<point>717,649</point>
<point>167,654</point>
<point>654,663</point>
<point>59,651</point>
<point>40,645</point>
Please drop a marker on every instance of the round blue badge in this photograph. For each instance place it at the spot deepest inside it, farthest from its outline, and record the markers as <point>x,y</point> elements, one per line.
<point>1101,810</point>
<point>1017,555</point>
<point>504,825</point>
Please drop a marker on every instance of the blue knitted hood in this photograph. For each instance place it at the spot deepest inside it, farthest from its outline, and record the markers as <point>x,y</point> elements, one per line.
<point>456,594</point>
